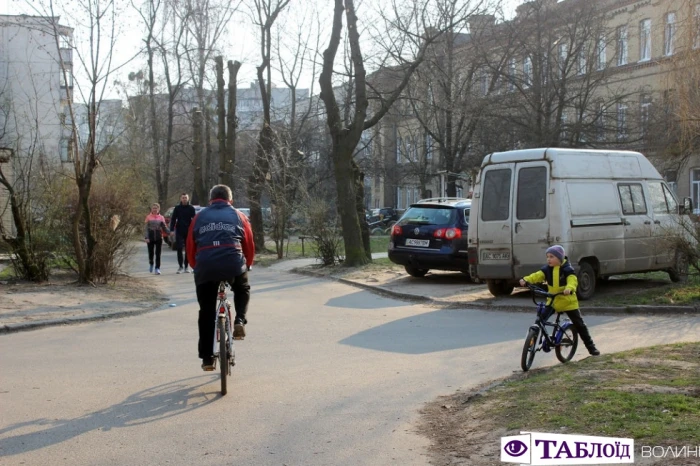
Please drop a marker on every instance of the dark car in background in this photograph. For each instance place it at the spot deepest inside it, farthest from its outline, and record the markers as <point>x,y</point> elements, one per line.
<point>432,234</point>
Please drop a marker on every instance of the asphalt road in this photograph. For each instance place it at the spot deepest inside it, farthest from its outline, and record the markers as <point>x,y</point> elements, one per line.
<point>328,375</point>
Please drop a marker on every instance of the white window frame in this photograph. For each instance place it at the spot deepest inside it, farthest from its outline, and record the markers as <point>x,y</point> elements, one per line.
<point>428,147</point>
<point>645,40</point>
<point>399,141</point>
<point>601,52</point>
<point>669,33</point>
<point>695,188</point>
<point>582,62</point>
<point>563,54</point>
<point>399,204</point>
<point>622,45</point>
<point>527,72</point>
<point>621,121</point>
<point>644,112</point>
<point>511,74</point>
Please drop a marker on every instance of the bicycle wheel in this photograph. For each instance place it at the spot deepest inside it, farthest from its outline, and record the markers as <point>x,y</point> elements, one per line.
<point>568,344</point>
<point>223,353</point>
<point>529,349</point>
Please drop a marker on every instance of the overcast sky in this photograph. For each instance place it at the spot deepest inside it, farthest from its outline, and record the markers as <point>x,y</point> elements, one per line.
<point>241,43</point>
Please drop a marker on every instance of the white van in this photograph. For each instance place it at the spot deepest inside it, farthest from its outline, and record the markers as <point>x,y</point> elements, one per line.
<point>611,210</point>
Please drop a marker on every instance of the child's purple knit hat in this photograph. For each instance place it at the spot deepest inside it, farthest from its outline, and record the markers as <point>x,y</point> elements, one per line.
<point>557,251</point>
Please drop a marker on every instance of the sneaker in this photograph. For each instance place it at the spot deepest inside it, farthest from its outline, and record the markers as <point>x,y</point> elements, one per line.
<point>157,271</point>
<point>150,269</point>
<point>208,364</point>
<point>187,270</point>
<point>180,270</point>
<point>238,330</point>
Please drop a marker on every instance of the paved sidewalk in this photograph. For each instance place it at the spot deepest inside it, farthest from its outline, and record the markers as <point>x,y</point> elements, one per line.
<point>452,289</point>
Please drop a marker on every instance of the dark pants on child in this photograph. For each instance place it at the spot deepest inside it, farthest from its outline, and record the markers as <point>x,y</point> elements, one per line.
<point>207,295</point>
<point>154,247</point>
<point>180,241</point>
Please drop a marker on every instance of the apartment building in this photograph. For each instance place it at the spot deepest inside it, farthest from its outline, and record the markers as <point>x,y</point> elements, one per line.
<point>552,76</point>
<point>34,92</point>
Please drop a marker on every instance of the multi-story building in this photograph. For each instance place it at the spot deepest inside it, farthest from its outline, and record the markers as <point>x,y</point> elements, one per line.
<point>36,83</point>
<point>574,73</point>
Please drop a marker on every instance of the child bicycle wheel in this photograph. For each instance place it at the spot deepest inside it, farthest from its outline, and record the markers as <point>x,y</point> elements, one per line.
<point>529,349</point>
<point>568,342</point>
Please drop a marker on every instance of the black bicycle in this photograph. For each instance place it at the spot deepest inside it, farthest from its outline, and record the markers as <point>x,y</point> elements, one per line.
<point>223,338</point>
<point>563,336</point>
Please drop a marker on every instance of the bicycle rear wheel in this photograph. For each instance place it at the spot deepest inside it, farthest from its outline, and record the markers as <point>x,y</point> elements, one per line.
<point>529,349</point>
<point>568,344</point>
<point>223,353</point>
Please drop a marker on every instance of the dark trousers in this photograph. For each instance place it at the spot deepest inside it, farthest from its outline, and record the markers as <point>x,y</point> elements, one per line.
<point>577,319</point>
<point>154,247</point>
<point>207,297</point>
<point>180,241</point>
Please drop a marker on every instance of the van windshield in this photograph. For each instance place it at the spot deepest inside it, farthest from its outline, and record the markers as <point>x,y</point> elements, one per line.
<point>429,216</point>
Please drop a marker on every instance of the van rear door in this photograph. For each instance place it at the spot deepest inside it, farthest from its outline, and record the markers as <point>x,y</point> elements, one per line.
<point>666,223</point>
<point>531,218</point>
<point>495,222</point>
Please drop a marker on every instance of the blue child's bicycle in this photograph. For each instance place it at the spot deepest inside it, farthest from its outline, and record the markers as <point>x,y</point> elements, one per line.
<point>563,337</point>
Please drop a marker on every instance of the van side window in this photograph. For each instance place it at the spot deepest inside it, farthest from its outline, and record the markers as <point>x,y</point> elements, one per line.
<point>532,193</point>
<point>632,198</point>
<point>496,198</point>
<point>658,199</point>
<point>670,200</point>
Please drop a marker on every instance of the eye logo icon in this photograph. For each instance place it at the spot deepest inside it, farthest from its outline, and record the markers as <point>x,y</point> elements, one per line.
<point>515,448</point>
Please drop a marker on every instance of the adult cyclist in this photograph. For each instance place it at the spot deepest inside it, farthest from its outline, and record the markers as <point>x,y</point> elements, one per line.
<point>220,248</point>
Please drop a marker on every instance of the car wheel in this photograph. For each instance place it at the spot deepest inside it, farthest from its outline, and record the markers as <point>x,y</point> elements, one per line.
<point>586,282</point>
<point>679,272</point>
<point>414,272</point>
<point>377,232</point>
<point>499,287</point>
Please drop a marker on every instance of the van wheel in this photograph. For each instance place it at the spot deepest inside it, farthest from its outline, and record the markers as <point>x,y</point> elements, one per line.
<point>679,272</point>
<point>586,282</point>
<point>499,287</point>
<point>414,272</point>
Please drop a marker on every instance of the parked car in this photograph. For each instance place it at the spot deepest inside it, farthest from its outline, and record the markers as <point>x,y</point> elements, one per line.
<point>432,234</point>
<point>611,210</point>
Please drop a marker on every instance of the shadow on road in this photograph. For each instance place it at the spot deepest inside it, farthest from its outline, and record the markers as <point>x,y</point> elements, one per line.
<point>363,300</point>
<point>448,329</point>
<point>150,405</point>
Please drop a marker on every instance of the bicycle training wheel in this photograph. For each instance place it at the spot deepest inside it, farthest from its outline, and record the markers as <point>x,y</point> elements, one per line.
<point>223,353</point>
<point>529,349</point>
<point>569,342</point>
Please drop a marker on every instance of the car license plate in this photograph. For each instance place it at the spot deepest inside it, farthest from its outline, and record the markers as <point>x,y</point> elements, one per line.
<point>423,243</point>
<point>495,255</point>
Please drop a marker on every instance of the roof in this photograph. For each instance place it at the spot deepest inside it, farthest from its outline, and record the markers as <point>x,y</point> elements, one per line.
<point>582,163</point>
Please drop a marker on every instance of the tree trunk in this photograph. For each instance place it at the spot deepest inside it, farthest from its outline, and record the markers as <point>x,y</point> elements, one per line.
<point>359,180</point>
<point>208,171</point>
<point>232,123</point>
<point>221,113</point>
<point>199,190</point>
<point>347,202</point>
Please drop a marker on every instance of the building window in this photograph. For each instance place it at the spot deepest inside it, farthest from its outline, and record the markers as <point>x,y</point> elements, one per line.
<point>671,177</point>
<point>527,71</point>
<point>399,200</point>
<point>428,147</point>
<point>695,189</point>
<point>645,40</point>
<point>600,52</point>
<point>66,73</point>
<point>65,41</point>
<point>511,74</point>
<point>399,141</point>
<point>621,122</point>
<point>582,62</point>
<point>66,150</point>
<point>563,55</point>
<point>669,33</point>
<point>600,122</point>
<point>484,82</point>
<point>622,45</point>
<point>696,26</point>
<point>644,113</point>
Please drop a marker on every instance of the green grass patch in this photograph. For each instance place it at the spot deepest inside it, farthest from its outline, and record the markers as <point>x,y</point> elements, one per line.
<point>660,291</point>
<point>648,394</point>
<point>293,249</point>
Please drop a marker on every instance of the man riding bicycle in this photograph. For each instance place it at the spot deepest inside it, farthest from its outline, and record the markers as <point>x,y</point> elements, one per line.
<point>220,248</point>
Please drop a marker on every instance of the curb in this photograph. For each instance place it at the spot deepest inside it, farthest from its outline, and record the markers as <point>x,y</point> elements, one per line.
<point>21,327</point>
<point>419,299</point>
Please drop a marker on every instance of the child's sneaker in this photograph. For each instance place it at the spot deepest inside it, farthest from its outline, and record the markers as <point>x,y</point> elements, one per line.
<point>157,271</point>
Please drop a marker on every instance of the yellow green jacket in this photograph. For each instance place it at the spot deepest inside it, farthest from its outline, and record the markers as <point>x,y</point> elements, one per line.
<point>558,279</point>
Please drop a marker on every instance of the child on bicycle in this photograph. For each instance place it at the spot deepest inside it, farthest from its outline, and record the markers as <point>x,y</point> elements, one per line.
<point>560,278</point>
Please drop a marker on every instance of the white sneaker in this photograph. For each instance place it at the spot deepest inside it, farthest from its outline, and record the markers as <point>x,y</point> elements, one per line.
<point>157,271</point>
<point>180,270</point>
<point>187,270</point>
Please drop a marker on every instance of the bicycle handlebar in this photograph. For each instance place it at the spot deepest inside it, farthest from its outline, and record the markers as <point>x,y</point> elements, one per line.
<point>536,291</point>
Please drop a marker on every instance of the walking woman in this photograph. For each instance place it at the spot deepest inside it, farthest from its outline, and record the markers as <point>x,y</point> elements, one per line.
<point>155,226</point>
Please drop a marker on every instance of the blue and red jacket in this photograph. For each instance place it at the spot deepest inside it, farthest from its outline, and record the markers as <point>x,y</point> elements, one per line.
<point>220,243</point>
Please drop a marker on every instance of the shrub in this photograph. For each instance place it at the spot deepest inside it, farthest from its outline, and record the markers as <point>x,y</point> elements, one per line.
<point>322,225</point>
